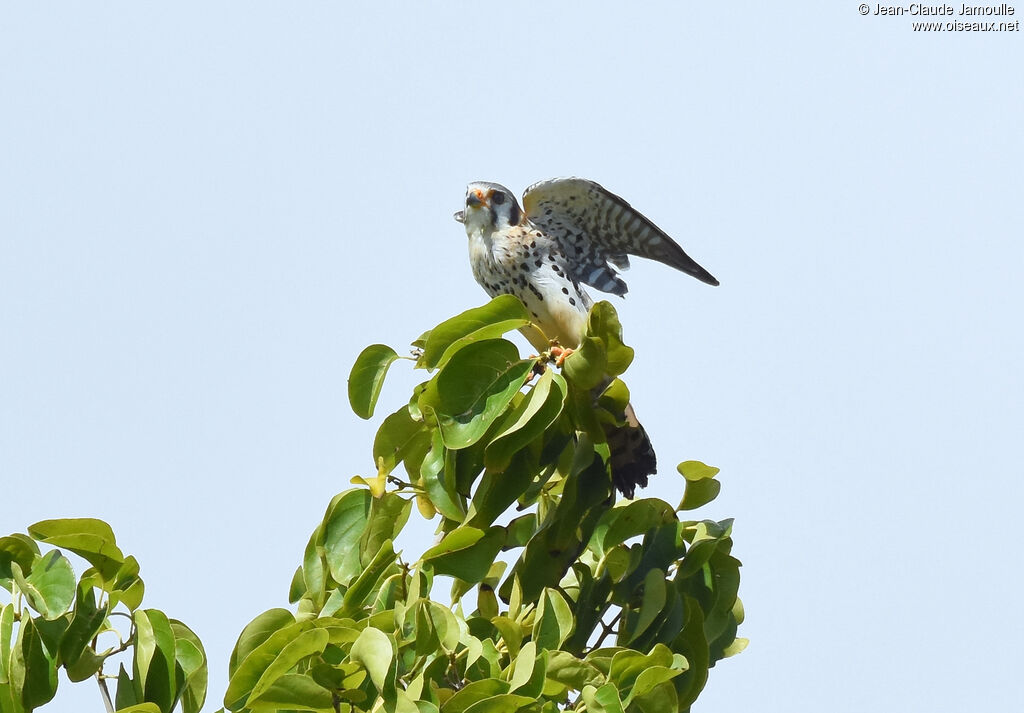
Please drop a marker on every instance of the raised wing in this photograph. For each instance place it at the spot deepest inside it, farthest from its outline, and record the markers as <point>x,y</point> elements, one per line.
<point>599,230</point>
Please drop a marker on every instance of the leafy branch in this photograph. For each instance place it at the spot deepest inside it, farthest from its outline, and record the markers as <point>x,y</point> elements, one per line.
<point>491,437</point>
<point>70,616</point>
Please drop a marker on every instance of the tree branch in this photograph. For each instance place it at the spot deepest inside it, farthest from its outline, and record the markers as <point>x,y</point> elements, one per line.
<point>104,692</point>
<point>606,629</point>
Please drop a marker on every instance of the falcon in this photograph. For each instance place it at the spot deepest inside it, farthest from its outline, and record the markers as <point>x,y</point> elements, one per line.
<point>570,232</point>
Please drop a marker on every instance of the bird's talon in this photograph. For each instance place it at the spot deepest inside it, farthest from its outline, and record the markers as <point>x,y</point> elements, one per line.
<point>560,354</point>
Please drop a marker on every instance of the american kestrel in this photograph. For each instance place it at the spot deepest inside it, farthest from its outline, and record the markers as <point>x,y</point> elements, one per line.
<point>572,231</point>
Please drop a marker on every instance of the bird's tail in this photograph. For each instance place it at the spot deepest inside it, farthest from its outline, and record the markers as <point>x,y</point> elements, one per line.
<point>632,455</point>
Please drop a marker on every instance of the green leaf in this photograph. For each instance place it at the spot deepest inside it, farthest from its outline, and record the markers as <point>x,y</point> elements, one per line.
<point>503,703</point>
<point>719,600</point>
<point>617,562</point>
<point>489,663</point>
<point>338,677</point>
<point>70,528</point>
<point>604,324</point>
<point>308,643</point>
<point>511,633</point>
<point>388,515</point>
<point>522,667</point>
<point>88,621</point>
<point>692,643</point>
<point>499,489</point>
<point>661,699</point>
<point>52,631</point>
<point>601,658</point>
<point>374,651</point>
<point>313,569</point>
<point>570,671</point>
<point>140,708</point>
<point>298,587</point>
<point>701,487</point>
<point>528,422</point>
<point>554,621</point>
<point>436,479</point>
<point>735,647</point>
<point>602,700</point>
<point>649,678</point>
<point>37,663</point>
<point>367,378</point>
<point>13,680</point>
<point>344,524</point>
<point>50,587</point>
<point>587,366</point>
<point>466,552</point>
<point>363,586</point>
<point>433,626</point>
<point>474,692</point>
<point>582,415</point>
<point>706,539</point>
<point>126,696</point>
<point>16,548</point>
<point>89,538</point>
<point>6,630</point>
<point>698,493</point>
<point>502,314</point>
<point>256,633</point>
<point>191,660</point>
<point>694,470</point>
<point>399,436</point>
<point>469,462</point>
<point>294,692</point>
<point>127,588</point>
<point>520,530</point>
<point>615,397</point>
<point>339,631</point>
<point>628,664</point>
<point>474,388</point>
<point>446,624</point>
<point>527,676</point>
<point>652,604</point>
<point>250,669</point>
<point>154,663</point>
<point>634,518</point>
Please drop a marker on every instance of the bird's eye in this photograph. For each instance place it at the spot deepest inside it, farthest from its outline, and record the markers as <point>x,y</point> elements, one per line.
<point>498,198</point>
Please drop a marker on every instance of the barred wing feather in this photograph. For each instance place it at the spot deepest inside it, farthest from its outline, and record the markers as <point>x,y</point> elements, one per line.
<point>598,231</point>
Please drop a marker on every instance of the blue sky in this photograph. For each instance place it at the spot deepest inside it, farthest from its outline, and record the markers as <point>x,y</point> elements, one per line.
<point>208,209</point>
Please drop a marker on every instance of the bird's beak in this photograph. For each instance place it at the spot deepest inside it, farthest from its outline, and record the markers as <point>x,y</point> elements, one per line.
<point>474,199</point>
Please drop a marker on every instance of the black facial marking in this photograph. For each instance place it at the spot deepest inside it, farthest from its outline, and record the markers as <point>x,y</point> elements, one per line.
<point>514,214</point>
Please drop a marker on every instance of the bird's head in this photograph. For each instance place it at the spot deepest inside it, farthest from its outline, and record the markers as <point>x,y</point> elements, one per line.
<point>489,207</point>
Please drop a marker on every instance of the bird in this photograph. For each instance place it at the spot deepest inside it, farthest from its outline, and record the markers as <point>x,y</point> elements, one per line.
<point>568,233</point>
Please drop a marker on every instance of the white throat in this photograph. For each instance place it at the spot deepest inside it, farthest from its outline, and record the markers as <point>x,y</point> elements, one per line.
<point>478,224</point>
